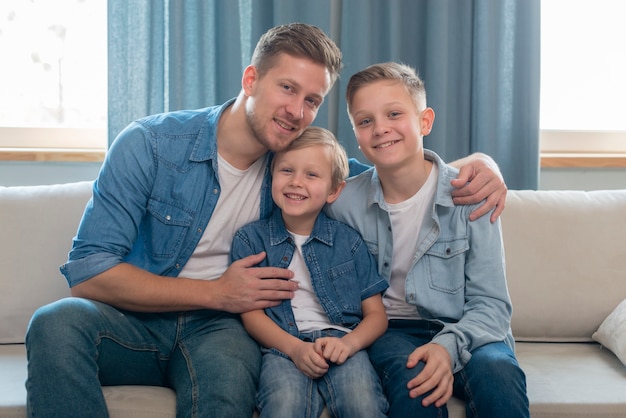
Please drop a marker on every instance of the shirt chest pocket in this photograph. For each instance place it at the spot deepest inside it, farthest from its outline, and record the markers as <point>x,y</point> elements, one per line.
<point>345,287</point>
<point>167,225</point>
<point>445,263</point>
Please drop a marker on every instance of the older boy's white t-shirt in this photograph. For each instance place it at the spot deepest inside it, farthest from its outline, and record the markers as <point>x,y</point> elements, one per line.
<point>239,203</point>
<point>406,220</point>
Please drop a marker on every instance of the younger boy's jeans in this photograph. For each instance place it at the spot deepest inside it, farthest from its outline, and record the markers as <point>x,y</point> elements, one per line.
<point>349,390</point>
<point>76,345</point>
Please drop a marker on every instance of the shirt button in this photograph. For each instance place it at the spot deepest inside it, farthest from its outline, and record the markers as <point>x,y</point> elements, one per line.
<point>448,251</point>
<point>177,266</point>
<point>168,218</point>
<point>215,191</point>
<point>199,230</point>
<point>386,264</point>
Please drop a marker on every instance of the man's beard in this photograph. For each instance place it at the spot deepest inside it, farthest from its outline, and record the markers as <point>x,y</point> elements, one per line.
<point>260,135</point>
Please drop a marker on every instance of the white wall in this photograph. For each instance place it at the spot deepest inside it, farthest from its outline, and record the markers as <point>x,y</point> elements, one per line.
<point>33,173</point>
<point>582,178</point>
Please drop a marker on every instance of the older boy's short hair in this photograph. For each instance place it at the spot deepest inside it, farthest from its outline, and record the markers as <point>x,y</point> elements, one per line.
<point>298,40</point>
<point>314,135</point>
<point>389,71</point>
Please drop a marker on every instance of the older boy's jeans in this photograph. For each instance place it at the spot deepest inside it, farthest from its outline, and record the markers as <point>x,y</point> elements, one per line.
<point>491,383</point>
<point>76,345</point>
<point>349,390</point>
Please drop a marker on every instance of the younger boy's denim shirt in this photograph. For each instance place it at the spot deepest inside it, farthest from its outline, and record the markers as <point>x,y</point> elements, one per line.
<point>343,272</point>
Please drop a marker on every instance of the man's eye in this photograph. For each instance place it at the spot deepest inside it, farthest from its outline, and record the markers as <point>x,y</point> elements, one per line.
<point>313,103</point>
<point>364,122</point>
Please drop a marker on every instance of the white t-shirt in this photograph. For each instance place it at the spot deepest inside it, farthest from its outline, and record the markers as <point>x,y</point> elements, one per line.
<point>406,220</point>
<point>306,307</point>
<point>239,203</point>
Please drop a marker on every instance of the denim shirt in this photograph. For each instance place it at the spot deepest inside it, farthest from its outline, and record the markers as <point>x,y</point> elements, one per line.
<point>343,272</point>
<point>154,196</point>
<point>458,273</point>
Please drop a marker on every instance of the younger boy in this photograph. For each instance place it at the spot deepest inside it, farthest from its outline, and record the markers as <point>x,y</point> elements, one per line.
<point>313,344</point>
<point>448,304</point>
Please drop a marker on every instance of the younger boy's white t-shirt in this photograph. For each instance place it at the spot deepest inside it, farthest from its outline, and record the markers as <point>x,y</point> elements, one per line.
<point>307,310</point>
<point>406,220</point>
<point>239,203</point>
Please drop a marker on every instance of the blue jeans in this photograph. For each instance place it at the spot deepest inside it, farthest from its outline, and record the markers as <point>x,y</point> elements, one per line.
<point>491,383</point>
<point>76,345</point>
<point>350,390</point>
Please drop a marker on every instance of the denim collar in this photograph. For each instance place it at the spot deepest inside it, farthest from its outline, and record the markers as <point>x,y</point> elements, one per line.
<point>322,230</point>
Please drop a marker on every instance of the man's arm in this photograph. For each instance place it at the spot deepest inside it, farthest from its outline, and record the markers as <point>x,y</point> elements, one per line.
<point>241,288</point>
<point>480,179</point>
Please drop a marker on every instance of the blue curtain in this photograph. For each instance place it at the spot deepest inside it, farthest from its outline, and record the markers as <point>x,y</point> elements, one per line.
<point>479,59</point>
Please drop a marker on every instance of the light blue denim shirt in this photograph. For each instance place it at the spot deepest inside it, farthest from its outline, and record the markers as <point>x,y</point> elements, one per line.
<point>458,275</point>
<point>343,272</point>
<point>154,196</point>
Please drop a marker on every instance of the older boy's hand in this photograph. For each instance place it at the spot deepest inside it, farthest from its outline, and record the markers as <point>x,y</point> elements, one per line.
<point>436,374</point>
<point>479,179</point>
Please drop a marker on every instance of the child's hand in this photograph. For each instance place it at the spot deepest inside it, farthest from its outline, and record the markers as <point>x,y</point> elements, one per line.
<point>309,361</point>
<point>333,349</point>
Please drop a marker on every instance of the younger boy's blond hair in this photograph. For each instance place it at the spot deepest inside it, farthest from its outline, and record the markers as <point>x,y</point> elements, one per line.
<point>314,135</point>
<point>388,71</point>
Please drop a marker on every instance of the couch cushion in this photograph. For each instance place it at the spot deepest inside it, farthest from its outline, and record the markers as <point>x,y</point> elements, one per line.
<point>612,332</point>
<point>37,224</point>
<point>573,380</point>
<point>566,261</point>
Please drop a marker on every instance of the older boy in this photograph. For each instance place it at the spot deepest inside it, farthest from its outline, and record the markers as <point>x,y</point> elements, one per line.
<point>448,304</point>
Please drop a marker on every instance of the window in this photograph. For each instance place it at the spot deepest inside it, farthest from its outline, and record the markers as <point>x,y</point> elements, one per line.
<point>583,87</point>
<point>53,79</point>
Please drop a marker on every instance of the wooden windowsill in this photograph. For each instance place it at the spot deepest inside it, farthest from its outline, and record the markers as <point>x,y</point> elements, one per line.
<point>52,154</point>
<point>583,160</point>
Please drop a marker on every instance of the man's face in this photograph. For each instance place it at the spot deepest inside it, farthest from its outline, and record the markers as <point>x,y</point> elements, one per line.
<point>285,100</point>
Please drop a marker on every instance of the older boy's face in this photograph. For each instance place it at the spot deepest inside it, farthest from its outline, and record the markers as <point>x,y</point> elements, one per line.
<point>285,100</point>
<point>387,124</point>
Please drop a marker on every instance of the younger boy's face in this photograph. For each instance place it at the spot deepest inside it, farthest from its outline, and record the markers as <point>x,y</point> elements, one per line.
<point>302,185</point>
<point>387,124</point>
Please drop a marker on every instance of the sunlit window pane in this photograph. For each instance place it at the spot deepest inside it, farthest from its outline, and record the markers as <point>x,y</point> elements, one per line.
<point>583,65</point>
<point>54,69</point>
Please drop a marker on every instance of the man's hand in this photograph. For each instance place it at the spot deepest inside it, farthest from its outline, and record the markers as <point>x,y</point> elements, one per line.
<point>244,287</point>
<point>479,179</point>
<point>436,375</point>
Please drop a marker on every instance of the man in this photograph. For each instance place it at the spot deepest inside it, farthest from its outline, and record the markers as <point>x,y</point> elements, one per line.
<point>156,302</point>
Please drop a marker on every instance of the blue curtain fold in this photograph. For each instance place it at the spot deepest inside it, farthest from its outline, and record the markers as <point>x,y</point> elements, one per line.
<point>479,59</point>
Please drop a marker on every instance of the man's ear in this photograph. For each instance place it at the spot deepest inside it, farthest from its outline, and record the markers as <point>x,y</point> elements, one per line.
<point>335,193</point>
<point>250,75</point>
<point>427,118</point>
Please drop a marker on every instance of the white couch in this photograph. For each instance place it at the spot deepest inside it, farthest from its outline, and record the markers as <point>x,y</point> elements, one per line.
<point>566,266</point>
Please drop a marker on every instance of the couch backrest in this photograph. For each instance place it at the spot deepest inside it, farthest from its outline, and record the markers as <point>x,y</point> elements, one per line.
<point>566,261</point>
<point>37,224</point>
<point>565,252</point>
